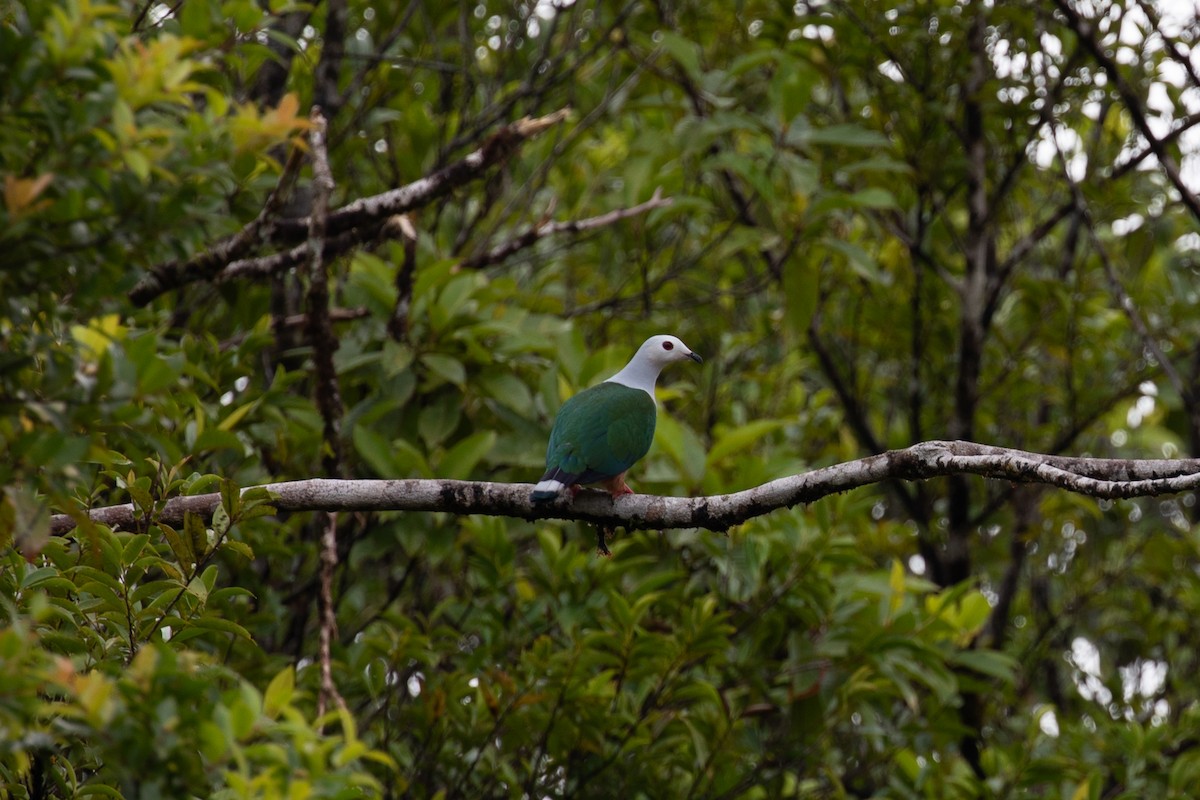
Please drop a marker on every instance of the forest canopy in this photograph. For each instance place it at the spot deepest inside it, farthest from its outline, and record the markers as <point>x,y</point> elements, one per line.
<point>246,243</point>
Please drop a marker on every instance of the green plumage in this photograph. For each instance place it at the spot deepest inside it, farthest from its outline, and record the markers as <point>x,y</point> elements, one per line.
<point>600,433</point>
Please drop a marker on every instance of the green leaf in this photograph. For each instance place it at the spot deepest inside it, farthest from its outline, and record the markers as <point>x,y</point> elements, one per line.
<point>446,367</point>
<point>139,164</point>
<point>683,445</point>
<point>682,50</point>
<point>741,438</point>
<point>195,19</point>
<point>857,258</point>
<point>457,293</point>
<point>791,90</point>
<point>377,452</point>
<point>234,417</point>
<point>461,459</point>
<point>196,534</point>
<point>438,420</point>
<point>279,692</point>
<point>139,492</point>
<point>209,623</point>
<point>241,548</point>
<point>220,520</point>
<point>36,577</point>
<point>840,135</point>
<point>748,169</point>
<point>801,288</point>
<point>874,197</point>
<point>134,547</point>
<point>214,439</point>
<point>508,390</point>
<point>29,519</point>
<point>991,663</point>
<point>966,615</point>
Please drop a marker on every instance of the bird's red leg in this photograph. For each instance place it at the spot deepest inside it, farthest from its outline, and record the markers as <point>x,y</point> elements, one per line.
<point>574,489</point>
<point>616,486</point>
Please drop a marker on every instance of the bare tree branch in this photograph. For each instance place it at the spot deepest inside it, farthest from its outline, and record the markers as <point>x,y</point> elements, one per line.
<point>1025,508</point>
<point>1085,29</point>
<point>270,80</point>
<point>1040,231</point>
<point>378,208</point>
<point>173,274</point>
<point>546,228</point>
<point>1107,478</point>
<point>335,315</point>
<point>1178,52</point>
<point>319,329</point>
<point>333,246</point>
<point>1130,309</point>
<point>405,278</point>
<point>1136,320</point>
<point>328,627</point>
<point>353,223</point>
<point>333,49</point>
<point>328,397</point>
<point>981,292</point>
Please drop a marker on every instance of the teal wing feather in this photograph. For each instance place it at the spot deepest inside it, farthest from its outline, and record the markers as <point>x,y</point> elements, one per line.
<point>600,433</point>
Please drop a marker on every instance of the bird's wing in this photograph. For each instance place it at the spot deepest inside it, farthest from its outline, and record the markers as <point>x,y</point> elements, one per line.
<point>600,433</point>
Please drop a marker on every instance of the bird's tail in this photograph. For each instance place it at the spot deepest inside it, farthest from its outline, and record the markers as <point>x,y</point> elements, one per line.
<point>547,490</point>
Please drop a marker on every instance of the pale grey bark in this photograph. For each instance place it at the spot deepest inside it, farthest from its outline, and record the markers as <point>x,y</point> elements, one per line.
<point>1096,477</point>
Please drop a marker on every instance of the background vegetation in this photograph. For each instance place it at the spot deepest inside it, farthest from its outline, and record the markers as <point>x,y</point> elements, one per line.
<point>890,222</point>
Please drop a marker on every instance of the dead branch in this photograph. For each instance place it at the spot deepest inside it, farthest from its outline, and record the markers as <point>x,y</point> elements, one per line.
<point>205,265</point>
<point>333,246</point>
<point>378,208</point>
<point>1106,478</point>
<point>319,329</point>
<point>546,228</point>
<point>353,223</point>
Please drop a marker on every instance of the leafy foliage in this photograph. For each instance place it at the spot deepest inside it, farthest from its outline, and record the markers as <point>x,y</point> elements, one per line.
<point>888,224</point>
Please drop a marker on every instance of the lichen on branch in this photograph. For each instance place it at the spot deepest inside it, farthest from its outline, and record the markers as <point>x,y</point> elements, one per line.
<point>1095,477</point>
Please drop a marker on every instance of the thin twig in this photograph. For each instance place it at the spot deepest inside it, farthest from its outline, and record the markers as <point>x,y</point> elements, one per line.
<point>545,228</point>
<point>335,315</point>
<point>1126,302</point>
<point>334,246</point>
<point>1177,51</point>
<point>1085,29</point>
<point>328,628</point>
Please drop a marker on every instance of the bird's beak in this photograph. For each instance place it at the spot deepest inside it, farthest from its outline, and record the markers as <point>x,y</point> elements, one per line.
<point>696,357</point>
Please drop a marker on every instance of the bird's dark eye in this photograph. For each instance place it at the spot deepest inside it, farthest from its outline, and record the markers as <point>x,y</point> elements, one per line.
<point>668,346</point>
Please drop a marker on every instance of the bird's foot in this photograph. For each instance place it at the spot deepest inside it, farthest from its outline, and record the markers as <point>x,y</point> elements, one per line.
<point>602,536</point>
<point>616,486</point>
<point>573,490</point>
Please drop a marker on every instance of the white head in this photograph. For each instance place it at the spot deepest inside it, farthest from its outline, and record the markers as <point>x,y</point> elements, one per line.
<point>655,353</point>
<point>663,349</point>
